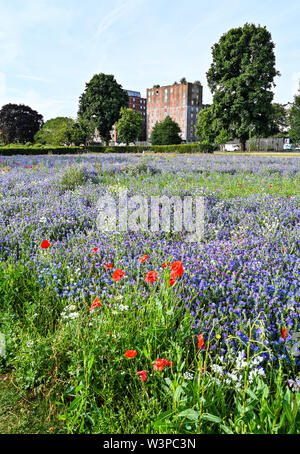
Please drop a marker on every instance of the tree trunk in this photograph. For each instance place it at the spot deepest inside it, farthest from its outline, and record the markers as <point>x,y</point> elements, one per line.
<point>243,144</point>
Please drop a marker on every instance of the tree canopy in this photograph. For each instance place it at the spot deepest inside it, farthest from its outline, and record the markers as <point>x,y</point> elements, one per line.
<point>19,123</point>
<point>279,120</point>
<point>129,126</point>
<point>241,77</point>
<point>294,119</point>
<point>100,103</point>
<point>205,127</point>
<point>55,131</point>
<point>166,133</point>
<point>81,133</point>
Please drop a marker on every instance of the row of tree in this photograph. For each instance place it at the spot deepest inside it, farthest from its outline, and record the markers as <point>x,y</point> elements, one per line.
<point>241,78</point>
<point>102,105</point>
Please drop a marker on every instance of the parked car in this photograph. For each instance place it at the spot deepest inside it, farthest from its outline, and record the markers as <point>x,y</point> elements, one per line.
<point>231,147</point>
<point>288,145</point>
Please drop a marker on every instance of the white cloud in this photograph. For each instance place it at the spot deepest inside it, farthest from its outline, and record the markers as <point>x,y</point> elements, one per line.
<point>122,7</point>
<point>39,79</point>
<point>114,15</point>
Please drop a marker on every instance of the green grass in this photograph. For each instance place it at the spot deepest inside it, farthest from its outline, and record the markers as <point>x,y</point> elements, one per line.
<point>224,185</point>
<point>24,412</point>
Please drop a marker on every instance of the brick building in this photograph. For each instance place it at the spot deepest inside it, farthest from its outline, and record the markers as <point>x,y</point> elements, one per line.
<point>138,104</point>
<point>181,102</point>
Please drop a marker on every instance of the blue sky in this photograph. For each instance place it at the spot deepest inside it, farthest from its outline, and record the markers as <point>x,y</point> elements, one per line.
<point>49,49</point>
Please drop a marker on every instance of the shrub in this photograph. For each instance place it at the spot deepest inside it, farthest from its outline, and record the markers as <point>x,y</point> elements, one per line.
<point>37,149</point>
<point>76,176</point>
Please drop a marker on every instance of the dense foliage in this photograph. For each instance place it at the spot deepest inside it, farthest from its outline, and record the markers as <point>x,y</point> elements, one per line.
<point>241,77</point>
<point>129,126</point>
<point>37,149</point>
<point>279,120</point>
<point>19,123</point>
<point>205,127</point>
<point>55,131</point>
<point>166,132</point>
<point>81,133</point>
<point>294,119</point>
<point>100,103</point>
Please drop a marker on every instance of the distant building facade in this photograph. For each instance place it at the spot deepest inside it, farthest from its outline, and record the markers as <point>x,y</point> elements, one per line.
<point>138,104</point>
<point>182,102</point>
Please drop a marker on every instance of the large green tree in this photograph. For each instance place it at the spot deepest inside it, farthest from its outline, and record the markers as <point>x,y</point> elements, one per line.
<point>19,123</point>
<point>129,126</point>
<point>101,102</point>
<point>205,127</point>
<point>294,119</point>
<point>241,77</point>
<point>279,119</point>
<point>80,133</point>
<point>166,133</point>
<point>55,131</point>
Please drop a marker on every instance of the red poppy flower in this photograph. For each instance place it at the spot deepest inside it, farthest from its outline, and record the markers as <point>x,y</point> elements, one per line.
<point>143,375</point>
<point>118,274</point>
<point>96,303</point>
<point>45,244</point>
<point>200,341</point>
<point>172,280</point>
<point>177,268</point>
<point>130,353</point>
<point>143,258</point>
<point>159,364</point>
<point>95,250</point>
<point>109,266</point>
<point>164,265</point>
<point>284,333</point>
<point>151,276</point>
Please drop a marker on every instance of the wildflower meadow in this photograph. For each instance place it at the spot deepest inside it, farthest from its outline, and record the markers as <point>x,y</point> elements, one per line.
<point>134,332</point>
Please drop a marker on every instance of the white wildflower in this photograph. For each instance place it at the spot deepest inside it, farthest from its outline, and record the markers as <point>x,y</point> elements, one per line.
<point>188,376</point>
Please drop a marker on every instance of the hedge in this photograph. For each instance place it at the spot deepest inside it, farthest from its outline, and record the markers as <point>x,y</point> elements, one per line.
<point>9,151</point>
<point>182,148</point>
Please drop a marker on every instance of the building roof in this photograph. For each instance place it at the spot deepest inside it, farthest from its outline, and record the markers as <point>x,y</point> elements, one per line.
<point>134,93</point>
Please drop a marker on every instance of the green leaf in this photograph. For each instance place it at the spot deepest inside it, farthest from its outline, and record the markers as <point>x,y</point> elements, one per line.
<point>190,414</point>
<point>212,418</point>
